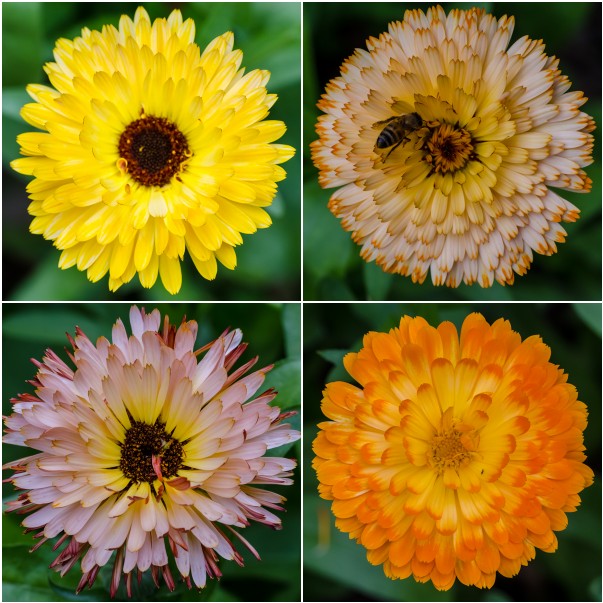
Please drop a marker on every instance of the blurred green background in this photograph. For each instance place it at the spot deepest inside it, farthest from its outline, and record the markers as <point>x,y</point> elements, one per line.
<point>268,261</point>
<point>333,268</point>
<point>273,334</point>
<point>335,567</point>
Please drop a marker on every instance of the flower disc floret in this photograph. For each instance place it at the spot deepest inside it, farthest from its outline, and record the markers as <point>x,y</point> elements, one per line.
<point>146,448</point>
<point>455,456</point>
<point>466,195</point>
<point>149,148</point>
<point>143,441</point>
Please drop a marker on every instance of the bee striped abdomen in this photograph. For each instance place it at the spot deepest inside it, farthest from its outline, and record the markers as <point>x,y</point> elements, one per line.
<point>387,138</point>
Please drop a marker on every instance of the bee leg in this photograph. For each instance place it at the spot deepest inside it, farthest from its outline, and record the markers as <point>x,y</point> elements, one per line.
<point>394,148</point>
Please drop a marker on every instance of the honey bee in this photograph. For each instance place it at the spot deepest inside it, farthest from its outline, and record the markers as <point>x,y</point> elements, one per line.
<point>397,129</point>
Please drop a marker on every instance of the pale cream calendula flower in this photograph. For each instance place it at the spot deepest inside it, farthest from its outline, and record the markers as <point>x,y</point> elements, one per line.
<point>150,148</point>
<point>464,187</point>
<point>148,453</point>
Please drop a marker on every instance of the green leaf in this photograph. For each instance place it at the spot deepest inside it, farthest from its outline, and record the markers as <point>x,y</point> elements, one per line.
<point>58,19</point>
<point>335,357</point>
<point>590,315</point>
<point>21,42</point>
<point>13,533</point>
<point>68,594</point>
<point>48,324</point>
<point>280,552</point>
<point>383,317</point>
<point>496,595</point>
<point>49,282</point>
<point>12,124</point>
<point>595,589</point>
<point>584,526</point>
<point>279,53</point>
<point>13,100</point>
<point>376,281</point>
<point>268,36</point>
<point>327,247</point>
<point>258,263</point>
<point>26,592</point>
<point>289,592</point>
<point>285,14</point>
<point>221,594</point>
<point>572,565</point>
<point>25,575</point>
<point>292,329</point>
<point>496,292</point>
<point>278,208</point>
<point>310,83</point>
<point>285,377</point>
<point>275,547</point>
<point>334,288</point>
<point>568,15</point>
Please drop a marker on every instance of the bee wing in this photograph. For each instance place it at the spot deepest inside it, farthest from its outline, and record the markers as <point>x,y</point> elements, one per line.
<point>385,121</point>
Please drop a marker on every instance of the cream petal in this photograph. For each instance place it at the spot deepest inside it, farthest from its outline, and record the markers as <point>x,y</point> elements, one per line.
<point>137,535</point>
<point>197,563</point>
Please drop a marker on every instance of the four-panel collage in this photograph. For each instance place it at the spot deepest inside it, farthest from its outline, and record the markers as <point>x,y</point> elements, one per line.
<point>301,301</point>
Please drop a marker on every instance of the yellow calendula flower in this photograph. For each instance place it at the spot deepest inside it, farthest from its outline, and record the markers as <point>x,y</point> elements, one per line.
<point>446,145</point>
<point>457,455</point>
<point>150,147</point>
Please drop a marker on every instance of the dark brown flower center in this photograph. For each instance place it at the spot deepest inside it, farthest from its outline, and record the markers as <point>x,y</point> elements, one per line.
<point>448,148</point>
<point>152,150</point>
<point>141,443</point>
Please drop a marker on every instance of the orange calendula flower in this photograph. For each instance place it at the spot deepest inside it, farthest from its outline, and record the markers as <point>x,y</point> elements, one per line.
<point>446,144</point>
<point>457,457</point>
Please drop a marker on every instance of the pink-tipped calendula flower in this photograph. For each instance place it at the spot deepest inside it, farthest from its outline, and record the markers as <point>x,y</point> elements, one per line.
<point>148,451</point>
